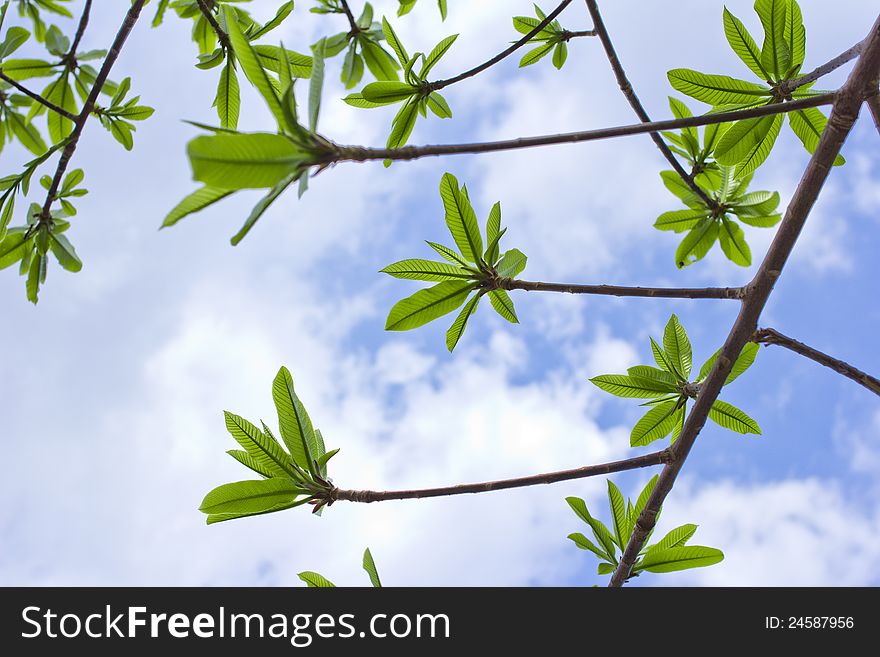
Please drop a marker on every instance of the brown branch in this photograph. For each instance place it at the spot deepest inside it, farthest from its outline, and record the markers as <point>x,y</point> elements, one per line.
<point>80,123</point>
<point>222,37</point>
<point>771,336</point>
<point>848,55</point>
<point>630,94</point>
<point>367,496</point>
<point>840,123</point>
<point>362,154</point>
<point>355,28</point>
<point>80,30</point>
<point>37,97</point>
<point>568,36</point>
<point>622,291</point>
<point>873,102</point>
<point>440,84</point>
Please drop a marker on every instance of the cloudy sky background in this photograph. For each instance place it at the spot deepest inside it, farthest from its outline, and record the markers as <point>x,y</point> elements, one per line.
<point>113,387</point>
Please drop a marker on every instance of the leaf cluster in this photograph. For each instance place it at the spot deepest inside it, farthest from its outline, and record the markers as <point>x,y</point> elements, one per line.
<point>669,554</point>
<point>466,275</point>
<point>290,478</point>
<point>669,389</point>
<point>552,38</point>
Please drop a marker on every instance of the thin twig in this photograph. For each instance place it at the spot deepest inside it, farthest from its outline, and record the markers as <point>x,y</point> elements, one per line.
<point>80,30</point>
<point>848,55</point>
<point>568,36</point>
<point>772,336</point>
<point>37,97</point>
<point>355,28</point>
<point>630,94</point>
<point>361,153</point>
<point>367,496</point>
<point>125,29</point>
<point>440,84</point>
<point>622,291</point>
<point>840,123</point>
<point>222,37</point>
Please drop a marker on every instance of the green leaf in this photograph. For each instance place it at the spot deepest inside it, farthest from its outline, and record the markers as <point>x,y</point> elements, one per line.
<point>294,422</point>
<point>282,13</point>
<point>448,254</point>
<point>618,514</point>
<point>655,424</point>
<point>560,54</point>
<point>244,161</point>
<point>730,417</point>
<point>808,125</point>
<point>675,538</point>
<point>586,544</point>
<point>756,204</point>
<point>678,347</point>
<point>36,269</point>
<point>272,58</point>
<point>316,581</point>
<point>673,182</point>
<point>679,558</point>
<point>733,243</point>
<point>696,243</point>
<point>228,101</point>
<point>381,64</point>
<point>600,531</point>
<point>65,253</point>
<point>24,69</point>
<point>503,305</point>
<point>15,37</point>
<point>263,204</point>
<point>26,133</point>
<point>245,459</point>
<point>775,54</point>
<point>316,84</point>
<point>426,270</point>
<point>625,386</point>
<point>680,220</point>
<point>493,234</point>
<point>461,219</point>
<point>262,448</point>
<point>427,305</point>
<point>370,567</point>
<point>252,67</point>
<point>198,200</point>
<point>716,90</point>
<point>605,569</point>
<point>386,92</point>
<point>394,42</point>
<point>743,362</point>
<point>795,35</point>
<point>13,246</point>
<point>512,263</point>
<point>439,50</point>
<point>661,381</point>
<point>744,45</point>
<point>453,335</point>
<point>403,125</point>
<point>248,498</point>
<point>642,501</point>
<point>536,54</point>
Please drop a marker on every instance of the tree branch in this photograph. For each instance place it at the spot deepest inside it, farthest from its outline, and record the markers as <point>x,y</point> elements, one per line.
<point>873,102</point>
<point>568,36</point>
<point>440,84</point>
<point>362,154</point>
<point>840,123</point>
<point>621,291</point>
<point>80,123</point>
<point>355,28</point>
<point>222,37</point>
<point>848,55</point>
<point>80,30</point>
<point>37,97</point>
<point>630,94</point>
<point>367,496</point>
<point>771,336</point>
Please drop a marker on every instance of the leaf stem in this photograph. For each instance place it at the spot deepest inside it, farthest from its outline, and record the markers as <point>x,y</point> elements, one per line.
<point>37,97</point>
<point>630,94</point>
<point>355,28</point>
<point>79,125</point>
<point>362,154</point>
<point>624,291</point>
<point>440,84</point>
<point>368,496</point>
<point>769,336</point>
<point>840,123</point>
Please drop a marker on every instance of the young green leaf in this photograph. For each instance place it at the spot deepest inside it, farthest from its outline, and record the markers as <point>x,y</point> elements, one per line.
<point>244,161</point>
<point>426,270</point>
<point>461,219</point>
<point>294,422</point>
<point>625,386</point>
<point>198,200</point>
<point>775,53</point>
<point>618,515</point>
<point>248,498</point>
<point>696,243</point>
<point>808,125</point>
<point>228,100</point>
<point>730,417</point>
<point>678,347</point>
<point>744,45</point>
<point>262,448</point>
<point>427,305</point>
<point>586,544</point>
<point>370,567</point>
<point>512,263</point>
<point>453,335</point>
<point>655,424</point>
<point>716,90</point>
<point>679,558</point>
<point>316,581</point>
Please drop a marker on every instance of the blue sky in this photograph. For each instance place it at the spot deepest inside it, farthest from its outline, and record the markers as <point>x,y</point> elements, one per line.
<point>113,387</point>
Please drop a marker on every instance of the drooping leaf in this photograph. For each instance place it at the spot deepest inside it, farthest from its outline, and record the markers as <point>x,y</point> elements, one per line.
<point>733,243</point>
<point>503,305</point>
<point>808,125</point>
<point>696,243</point>
<point>453,335</point>
<point>228,99</point>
